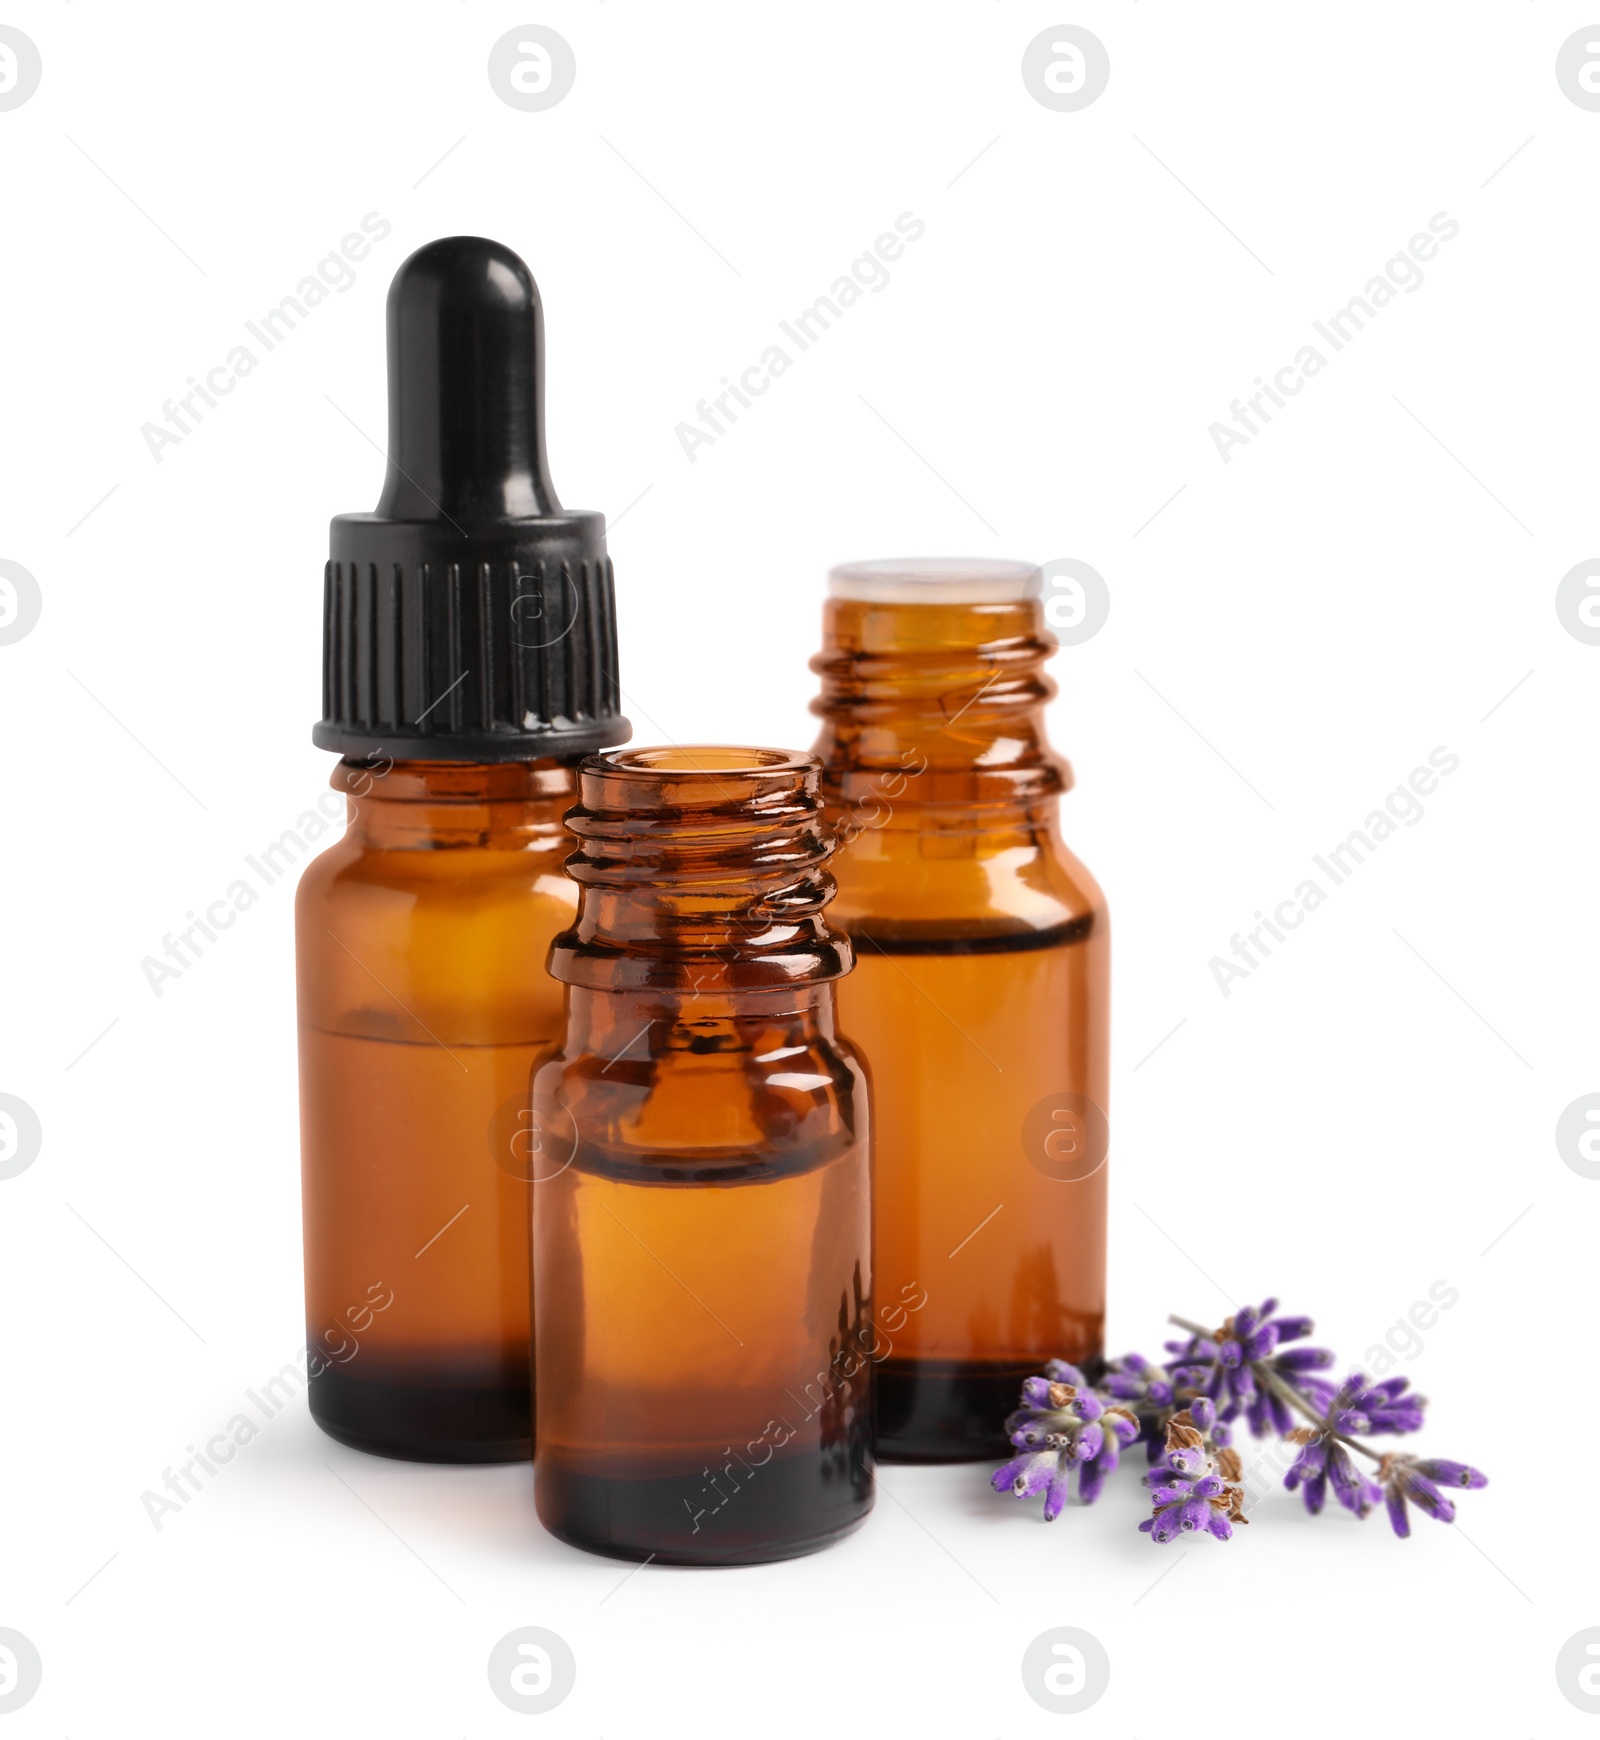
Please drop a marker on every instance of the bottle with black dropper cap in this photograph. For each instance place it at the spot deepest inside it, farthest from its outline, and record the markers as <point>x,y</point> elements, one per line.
<point>469,662</point>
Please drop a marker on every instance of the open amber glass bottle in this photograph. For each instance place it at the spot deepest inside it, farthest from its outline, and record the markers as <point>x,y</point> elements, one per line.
<point>979,996</point>
<point>702,1263</point>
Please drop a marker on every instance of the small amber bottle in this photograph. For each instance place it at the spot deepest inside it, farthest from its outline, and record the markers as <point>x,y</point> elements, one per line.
<point>702,1267</point>
<point>422,1008</point>
<point>979,996</point>
<point>470,662</point>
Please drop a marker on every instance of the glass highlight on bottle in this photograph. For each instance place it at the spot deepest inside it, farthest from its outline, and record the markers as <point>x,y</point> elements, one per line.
<point>979,996</point>
<point>701,1231</point>
<point>423,1005</point>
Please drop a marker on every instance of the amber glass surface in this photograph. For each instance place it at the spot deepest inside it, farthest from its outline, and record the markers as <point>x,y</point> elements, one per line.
<point>702,1260</point>
<point>979,999</point>
<point>421,939</point>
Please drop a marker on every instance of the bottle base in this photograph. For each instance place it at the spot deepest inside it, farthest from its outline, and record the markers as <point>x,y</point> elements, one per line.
<point>425,1413</point>
<point>783,1509</point>
<point>947,1410</point>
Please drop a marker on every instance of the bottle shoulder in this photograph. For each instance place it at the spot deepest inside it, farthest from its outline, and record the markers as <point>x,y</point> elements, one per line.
<point>965,879</point>
<point>658,1111</point>
<point>350,873</point>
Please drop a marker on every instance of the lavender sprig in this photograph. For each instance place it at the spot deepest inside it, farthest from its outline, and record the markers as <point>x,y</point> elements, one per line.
<point>1336,1416</point>
<point>1063,1426</point>
<point>1182,1410</point>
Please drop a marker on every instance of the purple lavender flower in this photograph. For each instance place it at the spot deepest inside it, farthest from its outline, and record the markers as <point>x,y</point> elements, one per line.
<point>1185,1505</point>
<point>1195,1486</point>
<point>1237,1364</point>
<point>1361,1407</point>
<point>1297,1368</point>
<point>1134,1379</point>
<point>1353,1489</point>
<point>1147,1390</point>
<point>1309,1473</point>
<point>1324,1462</point>
<point>1417,1480</point>
<point>1063,1426</point>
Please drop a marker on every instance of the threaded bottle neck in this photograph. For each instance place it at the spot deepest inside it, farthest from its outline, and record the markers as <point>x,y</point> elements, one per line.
<point>946,697</point>
<point>699,869</point>
<point>452,805</point>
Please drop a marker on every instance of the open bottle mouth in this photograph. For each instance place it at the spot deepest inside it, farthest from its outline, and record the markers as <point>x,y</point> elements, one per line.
<point>697,814</point>
<point>709,760</point>
<point>935,580</point>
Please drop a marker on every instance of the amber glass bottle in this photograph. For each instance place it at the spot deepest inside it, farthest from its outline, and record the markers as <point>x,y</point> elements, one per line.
<point>702,1267</point>
<point>979,996</point>
<point>423,1004</point>
<point>469,663</point>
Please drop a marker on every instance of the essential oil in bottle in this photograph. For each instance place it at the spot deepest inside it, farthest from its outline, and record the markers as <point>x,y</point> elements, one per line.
<point>702,1265</point>
<point>470,662</point>
<point>979,996</point>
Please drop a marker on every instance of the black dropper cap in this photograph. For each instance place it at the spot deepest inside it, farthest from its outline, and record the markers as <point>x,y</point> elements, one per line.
<point>471,618</point>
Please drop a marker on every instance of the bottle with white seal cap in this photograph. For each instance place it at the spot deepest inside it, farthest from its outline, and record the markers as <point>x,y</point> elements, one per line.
<point>979,996</point>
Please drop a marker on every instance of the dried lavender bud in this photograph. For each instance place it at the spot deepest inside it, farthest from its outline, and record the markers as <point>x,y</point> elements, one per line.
<point>1378,1408</point>
<point>1350,1486</point>
<point>1134,1379</point>
<point>1194,1487</point>
<point>1452,1473</point>
<point>1309,1473</point>
<point>1410,1479</point>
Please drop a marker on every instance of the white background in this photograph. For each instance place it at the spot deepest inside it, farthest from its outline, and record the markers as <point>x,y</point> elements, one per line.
<point>1366,1115</point>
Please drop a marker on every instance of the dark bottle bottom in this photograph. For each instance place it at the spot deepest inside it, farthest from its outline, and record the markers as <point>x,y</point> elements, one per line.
<point>782,1509</point>
<point>947,1410</point>
<point>427,1410</point>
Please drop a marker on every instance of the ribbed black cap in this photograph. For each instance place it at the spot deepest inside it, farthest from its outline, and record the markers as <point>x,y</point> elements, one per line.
<point>470,618</point>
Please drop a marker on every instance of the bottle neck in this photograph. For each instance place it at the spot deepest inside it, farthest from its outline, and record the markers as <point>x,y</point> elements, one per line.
<point>700,871</point>
<point>426,806</point>
<point>936,706</point>
<point>640,1026</point>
